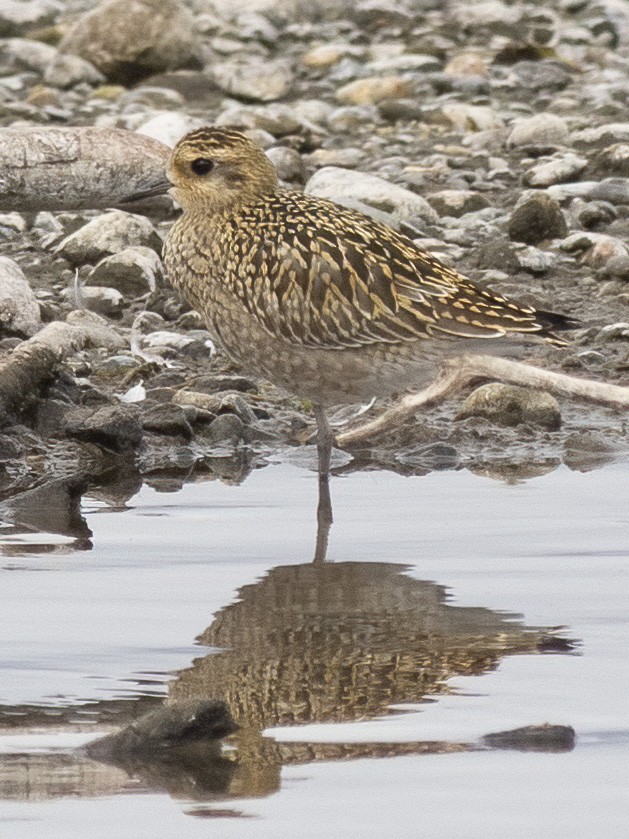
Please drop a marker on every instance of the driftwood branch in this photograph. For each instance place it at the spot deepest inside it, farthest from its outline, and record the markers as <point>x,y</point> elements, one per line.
<point>458,372</point>
<point>33,364</point>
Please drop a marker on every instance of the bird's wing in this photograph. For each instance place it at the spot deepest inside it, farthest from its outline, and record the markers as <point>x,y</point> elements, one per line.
<point>323,276</point>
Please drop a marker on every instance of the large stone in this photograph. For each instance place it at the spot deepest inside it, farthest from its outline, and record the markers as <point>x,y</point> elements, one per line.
<point>537,218</point>
<point>511,405</point>
<point>108,234</point>
<point>346,186</point>
<point>132,271</point>
<point>19,15</point>
<point>128,41</point>
<point>23,54</point>
<point>19,310</point>
<point>457,202</point>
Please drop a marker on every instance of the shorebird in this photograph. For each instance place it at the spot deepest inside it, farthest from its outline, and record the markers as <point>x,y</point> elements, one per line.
<point>319,299</point>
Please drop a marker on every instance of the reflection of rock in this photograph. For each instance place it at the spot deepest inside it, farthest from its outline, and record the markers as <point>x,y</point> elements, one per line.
<point>54,507</point>
<point>167,729</point>
<point>340,642</point>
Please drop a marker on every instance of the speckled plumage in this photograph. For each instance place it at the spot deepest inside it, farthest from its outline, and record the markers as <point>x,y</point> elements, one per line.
<point>319,299</point>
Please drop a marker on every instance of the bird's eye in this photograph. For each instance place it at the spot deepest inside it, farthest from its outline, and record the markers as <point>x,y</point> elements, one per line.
<point>201,166</point>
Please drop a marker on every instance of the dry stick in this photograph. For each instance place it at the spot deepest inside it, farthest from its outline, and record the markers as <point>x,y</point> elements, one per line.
<point>460,371</point>
<point>35,363</point>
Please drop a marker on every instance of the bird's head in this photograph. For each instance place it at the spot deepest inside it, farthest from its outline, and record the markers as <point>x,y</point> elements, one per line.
<point>215,169</point>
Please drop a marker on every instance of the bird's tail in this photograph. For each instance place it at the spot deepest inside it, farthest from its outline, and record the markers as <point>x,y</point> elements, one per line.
<point>554,322</point>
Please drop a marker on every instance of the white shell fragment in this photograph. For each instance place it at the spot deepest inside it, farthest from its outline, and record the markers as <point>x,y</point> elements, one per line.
<point>57,168</point>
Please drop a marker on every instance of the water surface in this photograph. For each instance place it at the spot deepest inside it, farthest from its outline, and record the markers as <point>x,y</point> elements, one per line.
<point>363,684</point>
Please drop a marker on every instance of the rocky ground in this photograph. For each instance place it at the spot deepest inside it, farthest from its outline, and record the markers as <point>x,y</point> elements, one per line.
<point>496,134</point>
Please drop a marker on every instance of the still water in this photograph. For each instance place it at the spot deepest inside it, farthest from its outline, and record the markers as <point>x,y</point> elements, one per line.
<point>452,605</point>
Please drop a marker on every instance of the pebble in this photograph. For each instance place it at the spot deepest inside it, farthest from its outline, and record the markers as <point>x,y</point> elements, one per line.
<point>347,186</point>
<point>536,219</point>
<point>457,202</point>
<point>168,127</point>
<point>132,271</point>
<point>19,309</point>
<point>108,234</point>
<point>68,70</point>
<point>108,302</point>
<point>287,162</point>
<point>511,405</point>
<point>242,78</point>
<point>471,117</point>
<point>24,54</point>
<point>558,170</point>
<point>612,132</point>
<point>595,249</point>
<point>374,89</point>
<point>539,131</point>
<point>613,160</point>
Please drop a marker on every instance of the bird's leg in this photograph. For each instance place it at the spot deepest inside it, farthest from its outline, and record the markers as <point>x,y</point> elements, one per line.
<point>325,440</point>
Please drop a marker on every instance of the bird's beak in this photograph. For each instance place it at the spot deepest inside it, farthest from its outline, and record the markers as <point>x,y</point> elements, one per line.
<point>160,188</point>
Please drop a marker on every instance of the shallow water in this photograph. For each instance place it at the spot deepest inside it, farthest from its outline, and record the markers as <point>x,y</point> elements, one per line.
<point>439,599</point>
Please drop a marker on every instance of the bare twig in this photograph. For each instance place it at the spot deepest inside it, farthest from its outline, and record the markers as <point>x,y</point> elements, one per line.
<point>458,372</point>
<point>34,363</point>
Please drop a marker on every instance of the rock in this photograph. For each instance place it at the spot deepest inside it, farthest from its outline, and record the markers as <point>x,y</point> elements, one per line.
<point>614,190</point>
<point>130,41</point>
<point>276,119</point>
<point>374,89</point>
<point>132,271</point>
<point>108,234</point>
<point>471,117</point>
<point>11,225</point>
<point>217,403</point>
<point>511,405</point>
<point>613,332</point>
<point>405,62</point>
<point>226,428</point>
<point>17,15</point>
<point>221,382</point>
<point>541,75</point>
<point>51,168</point>
<point>104,301</point>
<point>618,267</point>
<point>466,64</point>
<point>533,738</point>
<point>537,218</point>
<point>351,118</point>
<point>535,260</point>
<point>613,160</point>
<point>167,419</point>
<point>587,450</point>
<point>287,162</point>
<point>596,249</point>
<point>19,310</point>
<point>555,171</point>
<point>169,127</point>
<point>18,54</point>
<point>457,202</point>
<point>115,427</point>
<point>150,97</point>
<point>242,78</point>
<point>539,131</point>
<point>174,726</point>
<point>67,70</point>
<point>345,186</point>
<point>326,55</point>
<point>613,132</point>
